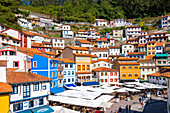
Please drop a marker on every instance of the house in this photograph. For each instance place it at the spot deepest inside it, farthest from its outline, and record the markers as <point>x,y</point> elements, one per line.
<point>140,55</point>
<point>132,31</point>
<point>23,22</point>
<point>158,37</point>
<point>3,27</point>
<point>117,34</point>
<point>5,90</point>
<point>128,68</point>
<point>102,42</point>
<point>69,71</point>
<point>16,59</point>
<point>160,48</point>
<point>102,53</point>
<point>142,39</point>
<point>111,41</point>
<point>114,50</point>
<point>135,42</point>
<point>30,91</point>
<point>49,67</point>
<point>106,76</point>
<point>151,48</point>
<point>101,22</point>
<point>84,43</point>
<point>127,48</point>
<point>58,43</point>
<point>102,63</point>
<point>44,21</point>
<point>81,34</point>
<point>165,22</point>
<point>82,58</point>
<point>144,33</point>
<point>147,66</point>
<point>119,22</point>
<point>159,77</point>
<point>142,48</point>
<point>67,32</point>
<point>161,61</point>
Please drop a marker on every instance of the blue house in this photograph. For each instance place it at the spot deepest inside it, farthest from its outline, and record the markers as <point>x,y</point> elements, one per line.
<point>140,55</point>
<point>49,67</point>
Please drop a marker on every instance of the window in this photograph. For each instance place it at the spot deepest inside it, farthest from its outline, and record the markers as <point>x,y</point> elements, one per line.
<point>102,80</point>
<point>18,106</point>
<point>16,64</point>
<point>111,80</point>
<point>68,72</point>
<point>105,73</point>
<point>136,67</point>
<point>102,73</point>
<point>44,87</point>
<point>51,74</point>
<point>130,67</point>
<point>71,65</point>
<point>72,72</point>
<point>51,85</point>
<point>115,73</point>
<point>149,48</point>
<point>153,48</point>
<point>152,69</point>
<point>55,64</point>
<point>55,74</point>
<point>130,74</point>
<point>115,80</point>
<point>124,67</point>
<point>69,80</point>
<point>143,69</point>
<point>130,46</point>
<point>64,72</point>
<point>105,80</point>
<point>26,91</point>
<point>148,69</point>
<point>36,87</point>
<point>31,103</point>
<point>88,67</point>
<point>41,101</point>
<point>124,46</point>
<point>159,62</point>
<point>136,75</point>
<point>55,84</point>
<point>164,62</point>
<point>12,53</point>
<point>15,89</point>
<point>111,73</point>
<point>78,67</point>
<point>72,79</point>
<point>83,67</point>
<point>51,64</point>
<point>66,65</point>
<point>124,75</point>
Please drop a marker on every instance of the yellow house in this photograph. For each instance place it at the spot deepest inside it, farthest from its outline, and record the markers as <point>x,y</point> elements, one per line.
<point>117,34</point>
<point>151,48</point>
<point>128,68</point>
<point>5,89</point>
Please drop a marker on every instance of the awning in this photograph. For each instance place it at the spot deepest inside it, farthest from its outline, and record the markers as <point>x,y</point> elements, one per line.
<point>26,111</point>
<point>69,85</point>
<point>92,83</point>
<point>43,109</point>
<point>57,90</point>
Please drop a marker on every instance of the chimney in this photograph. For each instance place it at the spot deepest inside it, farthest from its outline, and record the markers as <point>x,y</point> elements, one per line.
<point>3,68</point>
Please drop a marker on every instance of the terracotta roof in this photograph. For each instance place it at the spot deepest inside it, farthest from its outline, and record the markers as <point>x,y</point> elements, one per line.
<point>114,47</point>
<point>154,74</point>
<point>147,66</point>
<point>159,37</point>
<point>3,63</point>
<point>136,53</point>
<point>146,61</point>
<point>160,44</point>
<point>12,69</point>
<point>83,41</point>
<point>105,60</point>
<point>102,20</point>
<point>78,48</point>
<point>127,58</point>
<point>49,57</point>
<point>99,50</point>
<point>24,77</point>
<point>97,33</point>
<point>94,56</point>
<point>57,48</point>
<point>102,39</point>
<point>141,45</point>
<point>80,54</point>
<point>133,39</point>
<point>49,43</point>
<point>104,69</point>
<point>49,53</point>
<point>81,30</point>
<point>115,56</point>
<point>128,63</point>
<point>28,33</point>
<point>166,16</point>
<point>5,88</point>
<point>149,42</point>
<point>37,45</point>
<point>157,33</point>
<point>168,49</point>
<point>67,60</point>
<point>83,72</point>
<point>43,35</point>
<point>167,43</point>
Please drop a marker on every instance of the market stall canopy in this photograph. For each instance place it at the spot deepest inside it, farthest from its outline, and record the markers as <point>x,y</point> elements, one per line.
<point>60,109</point>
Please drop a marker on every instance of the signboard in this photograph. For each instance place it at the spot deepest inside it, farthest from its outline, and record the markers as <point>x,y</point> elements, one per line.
<point>25,105</point>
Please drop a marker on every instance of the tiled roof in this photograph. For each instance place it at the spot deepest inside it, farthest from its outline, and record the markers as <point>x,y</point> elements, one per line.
<point>94,56</point>
<point>159,37</point>
<point>5,88</point>
<point>166,16</point>
<point>128,63</point>
<point>102,39</point>
<point>83,72</point>
<point>147,66</point>
<point>83,41</point>
<point>49,53</point>
<point>150,42</point>
<point>154,74</point>
<point>168,49</point>
<point>102,20</point>
<point>49,43</point>
<point>43,35</point>
<point>136,53</point>
<point>133,27</point>
<point>115,56</point>
<point>133,39</point>
<point>141,45</point>
<point>28,33</point>
<point>99,60</point>
<point>48,57</point>
<point>78,48</point>
<point>127,58</point>
<point>167,43</point>
<point>67,60</point>
<point>3,63</point>
<point>57,48</point>
<point>80,54</point>
<point>81,30</point>
<point>100,50</point>
<point>24,77</point>
<point>12,69</point>
<point>97,33</point>
<point>160,44</point>
<point>146,61</point>
<point>114,47</point>
<point>104,69</point>
<point>157,33</point>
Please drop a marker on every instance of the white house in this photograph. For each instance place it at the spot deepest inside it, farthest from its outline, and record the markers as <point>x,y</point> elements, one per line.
<point>112,41</point>
<point>58,43</point>
<point>127,48</point>
<point>132,31</point>
<point>102,53</point>
<point>101,22</point>
<point>114,50</point>
<point>45,21</point>
<point>101,63</point>
<point>67,32</point>
<point>160,48</point>
<point>16,59</point>
<point>142,39</point>
<point>165,23</point>
<point>84,43</point>
<point>23,22</point>
<point>106,76</point>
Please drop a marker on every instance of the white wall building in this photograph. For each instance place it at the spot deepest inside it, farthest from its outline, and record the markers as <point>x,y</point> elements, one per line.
<point>23,22</point>
<point>102,53</point>
<point>45,21</point>
<point>84,43</point>
<point>114,50</point>
<point>127,48</point>
<point>101,63</point>
<point>132,31</point>
<point>58,42</point>
<point>165,23</point>
<point>67,32</point>
<point>101,22</point>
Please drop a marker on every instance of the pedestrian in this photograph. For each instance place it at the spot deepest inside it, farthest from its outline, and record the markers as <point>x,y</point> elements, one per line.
<point>140,100</point>
<point>115,111</point>
<point>127,109</point>
<point>120,109</point>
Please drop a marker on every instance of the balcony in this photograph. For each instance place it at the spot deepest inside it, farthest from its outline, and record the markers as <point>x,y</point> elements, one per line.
<point>60,76</point>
